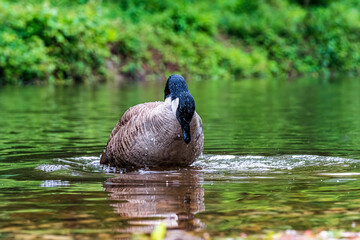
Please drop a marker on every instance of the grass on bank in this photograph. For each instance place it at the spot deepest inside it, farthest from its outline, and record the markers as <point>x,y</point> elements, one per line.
<point>91,41</point>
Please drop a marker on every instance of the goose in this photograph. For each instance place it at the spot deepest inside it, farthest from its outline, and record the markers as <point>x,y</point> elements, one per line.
<point>157,134</point>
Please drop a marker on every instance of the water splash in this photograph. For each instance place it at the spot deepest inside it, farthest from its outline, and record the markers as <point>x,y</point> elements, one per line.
<point>54,183</point>
<point>214,163</point>
<point>210,163</point>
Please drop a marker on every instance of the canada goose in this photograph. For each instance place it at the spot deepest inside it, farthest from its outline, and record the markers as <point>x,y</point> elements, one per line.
<point>156,134</point>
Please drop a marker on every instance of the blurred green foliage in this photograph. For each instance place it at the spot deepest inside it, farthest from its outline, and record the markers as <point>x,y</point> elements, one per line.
<point>85,41</point>
<point>297,40</point>
<point>40,42</point>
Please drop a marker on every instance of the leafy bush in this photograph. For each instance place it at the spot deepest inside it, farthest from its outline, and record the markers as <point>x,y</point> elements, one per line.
<point>243,39</point>
<point>82,41</point>
<point>182,38</point>
<point>41,43</point>
<point>298,40</point>
<point>333,39</point>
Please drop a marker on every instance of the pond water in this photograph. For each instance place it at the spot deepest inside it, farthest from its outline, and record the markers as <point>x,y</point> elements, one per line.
<point>278,156</point>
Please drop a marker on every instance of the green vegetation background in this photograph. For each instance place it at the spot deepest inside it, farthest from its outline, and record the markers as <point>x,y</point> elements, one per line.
<point>89,41</point>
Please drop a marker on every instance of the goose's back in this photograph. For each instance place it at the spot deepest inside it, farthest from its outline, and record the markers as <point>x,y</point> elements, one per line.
<point>149,135</point>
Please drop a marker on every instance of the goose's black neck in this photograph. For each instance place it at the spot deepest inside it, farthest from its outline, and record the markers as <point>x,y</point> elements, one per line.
<point>176,88</point>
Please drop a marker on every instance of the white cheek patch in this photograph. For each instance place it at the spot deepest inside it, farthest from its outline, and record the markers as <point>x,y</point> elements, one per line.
<point>174,105</point>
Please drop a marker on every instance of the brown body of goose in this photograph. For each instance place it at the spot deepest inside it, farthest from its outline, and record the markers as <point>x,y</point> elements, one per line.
<point>156,134</point>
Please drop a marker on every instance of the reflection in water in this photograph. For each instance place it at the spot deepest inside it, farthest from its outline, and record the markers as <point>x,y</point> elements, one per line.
<point>147,198</point>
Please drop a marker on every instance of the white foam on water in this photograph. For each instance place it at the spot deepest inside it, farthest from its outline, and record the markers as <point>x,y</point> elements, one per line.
<point>346,174</point>
<point>85,163</point>
<point>210,163</point>
<point>55,183</point>
<point>213,163</point>
<point>51,167</point>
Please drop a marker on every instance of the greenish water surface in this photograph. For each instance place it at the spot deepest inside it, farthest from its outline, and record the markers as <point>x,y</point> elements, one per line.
<point>278,156</point>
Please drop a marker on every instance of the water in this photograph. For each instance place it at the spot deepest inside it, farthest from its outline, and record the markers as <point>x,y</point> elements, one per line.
<point>278,156</point>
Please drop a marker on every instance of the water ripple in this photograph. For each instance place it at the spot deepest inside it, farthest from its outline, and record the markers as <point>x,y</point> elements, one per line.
<point>213,163</point>
<point>210,163</point>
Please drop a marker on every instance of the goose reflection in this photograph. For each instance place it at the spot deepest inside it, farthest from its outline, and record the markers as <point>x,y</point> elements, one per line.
<point>146,198</point>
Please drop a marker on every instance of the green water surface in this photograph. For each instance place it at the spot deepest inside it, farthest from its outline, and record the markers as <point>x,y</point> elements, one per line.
<point>278,155</point>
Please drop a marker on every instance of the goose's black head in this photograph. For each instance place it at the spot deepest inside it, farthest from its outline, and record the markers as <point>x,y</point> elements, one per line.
<point>183,104</point>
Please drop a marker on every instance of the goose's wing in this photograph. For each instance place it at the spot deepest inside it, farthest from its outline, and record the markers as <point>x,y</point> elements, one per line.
<point>128,123</point>
<point>132,113</point>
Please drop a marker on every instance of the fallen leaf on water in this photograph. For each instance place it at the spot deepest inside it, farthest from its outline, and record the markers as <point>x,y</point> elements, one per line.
<point>159,232</point>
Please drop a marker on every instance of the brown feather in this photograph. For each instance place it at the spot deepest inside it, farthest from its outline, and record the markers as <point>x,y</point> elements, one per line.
<point>149,135</point>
